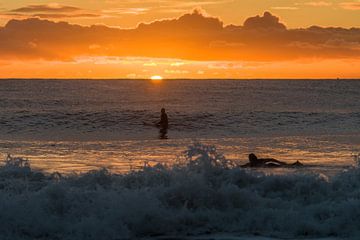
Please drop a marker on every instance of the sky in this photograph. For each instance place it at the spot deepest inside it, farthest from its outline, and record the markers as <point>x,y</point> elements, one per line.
<point>179,39</point>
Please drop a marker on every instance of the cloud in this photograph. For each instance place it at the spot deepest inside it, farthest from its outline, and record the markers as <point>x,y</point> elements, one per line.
<point>54,16</point>
<point>49,11</point>
<point>266,21</point>
<point>126,11</point>
<point>318,4</point>
<point>350,5</point>
<point>193,21</point>
<point>46,8</point>
<point>285,8</point>
<point>193,36</point>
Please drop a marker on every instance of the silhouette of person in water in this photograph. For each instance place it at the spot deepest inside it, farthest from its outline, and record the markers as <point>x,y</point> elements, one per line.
<point>254,161</point>
<point>163,124</point>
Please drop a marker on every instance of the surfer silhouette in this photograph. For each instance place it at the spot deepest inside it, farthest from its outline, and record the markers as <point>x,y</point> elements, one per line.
<point>254,161</point>
<point>163,124</point>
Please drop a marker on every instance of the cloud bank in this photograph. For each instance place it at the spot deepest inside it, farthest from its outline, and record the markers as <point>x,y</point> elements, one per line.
<point>192,36</point>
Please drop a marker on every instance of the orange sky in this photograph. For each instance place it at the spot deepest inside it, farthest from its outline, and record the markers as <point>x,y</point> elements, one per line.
<point>221,39</point>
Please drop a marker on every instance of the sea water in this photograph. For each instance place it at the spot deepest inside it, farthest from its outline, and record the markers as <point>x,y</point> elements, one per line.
<point>80,125</point>
<point>188,186</point>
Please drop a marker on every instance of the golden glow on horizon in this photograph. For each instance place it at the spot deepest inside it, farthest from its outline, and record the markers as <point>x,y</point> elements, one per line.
<point>134,69</point>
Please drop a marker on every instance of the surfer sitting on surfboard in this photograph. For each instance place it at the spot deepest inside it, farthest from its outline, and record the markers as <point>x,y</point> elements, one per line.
<point>254,161</point>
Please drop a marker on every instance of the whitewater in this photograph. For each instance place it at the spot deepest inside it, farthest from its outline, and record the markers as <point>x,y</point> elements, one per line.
<point>204,197</point>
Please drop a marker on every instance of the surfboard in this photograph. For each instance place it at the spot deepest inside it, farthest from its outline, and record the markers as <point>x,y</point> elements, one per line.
<point>149,124</point>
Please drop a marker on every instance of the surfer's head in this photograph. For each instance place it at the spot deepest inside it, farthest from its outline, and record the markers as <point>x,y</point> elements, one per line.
<point>252,157</point>
<point>163,110</point>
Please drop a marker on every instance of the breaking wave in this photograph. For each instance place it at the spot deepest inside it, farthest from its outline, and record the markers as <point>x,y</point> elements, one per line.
<point>204,194</point>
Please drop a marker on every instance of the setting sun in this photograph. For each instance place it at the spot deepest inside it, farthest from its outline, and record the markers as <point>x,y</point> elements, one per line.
<point>156,78</point>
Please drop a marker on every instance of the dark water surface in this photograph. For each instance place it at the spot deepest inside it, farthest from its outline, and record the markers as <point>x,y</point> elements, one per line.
<point>77,125</point>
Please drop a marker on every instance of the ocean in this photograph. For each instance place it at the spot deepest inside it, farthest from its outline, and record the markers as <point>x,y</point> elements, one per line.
<point>73,126</point>
<point>96,171</point>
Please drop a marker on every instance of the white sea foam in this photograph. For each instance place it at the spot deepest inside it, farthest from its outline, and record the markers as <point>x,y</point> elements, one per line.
<point>206,194</point>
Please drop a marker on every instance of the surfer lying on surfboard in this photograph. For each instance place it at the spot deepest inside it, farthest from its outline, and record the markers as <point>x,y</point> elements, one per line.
<point>254,161</point>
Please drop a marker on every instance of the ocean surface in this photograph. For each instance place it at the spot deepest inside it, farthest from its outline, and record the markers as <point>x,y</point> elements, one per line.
<point>79,125</point>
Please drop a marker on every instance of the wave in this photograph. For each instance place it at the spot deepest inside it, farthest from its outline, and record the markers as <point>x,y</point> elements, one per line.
<point>204,194</point>
<point>115,110</point>
<point>126,123</point>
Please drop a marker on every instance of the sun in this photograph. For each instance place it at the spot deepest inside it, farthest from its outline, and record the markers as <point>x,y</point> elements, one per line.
<point>156,78</point>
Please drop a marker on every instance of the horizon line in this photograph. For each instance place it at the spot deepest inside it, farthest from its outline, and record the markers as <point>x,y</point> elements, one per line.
<point>186,79</point>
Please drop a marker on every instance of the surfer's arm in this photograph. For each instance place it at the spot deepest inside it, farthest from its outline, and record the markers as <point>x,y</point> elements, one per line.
<point>246,165</point>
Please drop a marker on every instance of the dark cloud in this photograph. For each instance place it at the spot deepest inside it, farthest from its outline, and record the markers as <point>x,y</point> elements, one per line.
<point>192,36</point>
<point>49,11</point>
<point>45,8</point>
<point>265,22</point>
<point>193,21</point>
